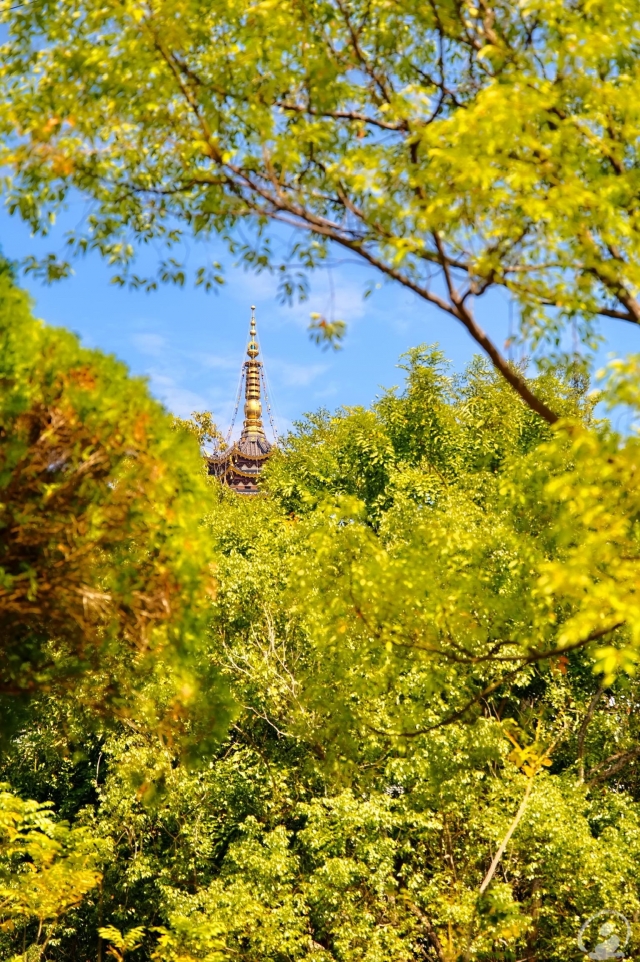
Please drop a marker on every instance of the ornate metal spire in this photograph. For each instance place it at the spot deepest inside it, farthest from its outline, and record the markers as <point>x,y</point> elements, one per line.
<point>240,465</point>
<point>252,427</point>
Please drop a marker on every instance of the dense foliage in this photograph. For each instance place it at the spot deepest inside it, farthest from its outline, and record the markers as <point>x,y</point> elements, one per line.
<point>388,710</point>
<point>456,145</point>
<point>422,624</point>
<point>103,566</point>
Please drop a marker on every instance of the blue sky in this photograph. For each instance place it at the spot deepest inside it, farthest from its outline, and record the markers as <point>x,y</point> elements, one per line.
<point>190,344</point>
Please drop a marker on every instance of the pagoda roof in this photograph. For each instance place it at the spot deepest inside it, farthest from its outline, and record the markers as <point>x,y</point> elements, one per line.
<point>253,447</point>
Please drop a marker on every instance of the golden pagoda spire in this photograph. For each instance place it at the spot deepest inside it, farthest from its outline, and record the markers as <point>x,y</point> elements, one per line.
<point>252,427</point>
<point>240,465</point>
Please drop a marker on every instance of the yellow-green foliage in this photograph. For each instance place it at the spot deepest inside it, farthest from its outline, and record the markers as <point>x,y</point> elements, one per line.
<point>105,575</point>
<point>46,868</point>
<point>396,621</point>
<point>428,625</point>
<point>491,143</point>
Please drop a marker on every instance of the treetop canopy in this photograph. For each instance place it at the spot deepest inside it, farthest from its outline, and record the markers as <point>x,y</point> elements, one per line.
<point>454,146</point>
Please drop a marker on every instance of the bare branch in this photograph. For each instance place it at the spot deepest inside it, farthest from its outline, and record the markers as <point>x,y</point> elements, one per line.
<point>505,841</point>
<point>353,115</point>
<point>621,761</point>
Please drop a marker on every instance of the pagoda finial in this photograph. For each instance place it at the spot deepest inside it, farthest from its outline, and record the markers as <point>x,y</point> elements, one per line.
<point>240,465</point>
<point>253,407</point>
<point>252,348</point>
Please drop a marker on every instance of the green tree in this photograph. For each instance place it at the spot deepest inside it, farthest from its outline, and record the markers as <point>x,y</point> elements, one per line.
<point>390,787</point>
<point>46,868</point>
<point>105,574</point>
<point>455,146</point>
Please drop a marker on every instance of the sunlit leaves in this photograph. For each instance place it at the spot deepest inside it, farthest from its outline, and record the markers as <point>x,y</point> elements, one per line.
<point>497,140</point>
<point>46,867</point>
<point>326,333</point>
<point>395,620</point>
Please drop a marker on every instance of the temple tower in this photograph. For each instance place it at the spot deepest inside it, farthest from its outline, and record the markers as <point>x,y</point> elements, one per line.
<point>240,465</point>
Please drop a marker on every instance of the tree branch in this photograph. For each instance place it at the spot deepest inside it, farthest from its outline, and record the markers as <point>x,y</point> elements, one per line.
<point>493,686</point>
<point>500,362</point>
<point>429,929</point>
<point>621,761</point>
<point>583,730</point>
<point>505,841</point>
<point>343,115</point>
<point>281,203</point>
